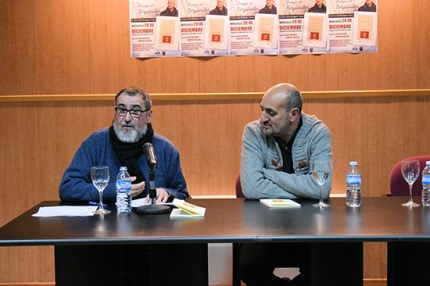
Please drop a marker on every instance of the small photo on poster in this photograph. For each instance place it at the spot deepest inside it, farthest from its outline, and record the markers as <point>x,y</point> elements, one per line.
<point>364,29</point>
<point>315,30</point>
<point>266,28</point>
<point>166,33</point>
<point>216,32</point>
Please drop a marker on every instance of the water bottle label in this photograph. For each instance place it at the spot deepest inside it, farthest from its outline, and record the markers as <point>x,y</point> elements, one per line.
<point>426,179</point>
<point>123,185</point>
<point>353,179</point>
<point>123,197</point>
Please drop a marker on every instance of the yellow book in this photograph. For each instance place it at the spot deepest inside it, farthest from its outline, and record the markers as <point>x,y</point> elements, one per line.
<point>280,203</point>
<point>185,209</point>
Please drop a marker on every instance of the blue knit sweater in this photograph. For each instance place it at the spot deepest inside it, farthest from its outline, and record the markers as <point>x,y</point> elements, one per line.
<point>97,150</point>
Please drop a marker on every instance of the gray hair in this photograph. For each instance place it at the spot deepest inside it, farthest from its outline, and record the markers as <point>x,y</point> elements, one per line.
<point>133,91</point>
<point>294,98</point>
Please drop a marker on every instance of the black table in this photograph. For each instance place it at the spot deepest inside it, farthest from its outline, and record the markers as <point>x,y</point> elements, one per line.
<point>110,244</point>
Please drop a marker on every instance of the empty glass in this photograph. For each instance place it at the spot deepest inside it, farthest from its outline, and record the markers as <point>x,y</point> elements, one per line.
<point>100,177</point>
<point>320,171</point>
<point>410,172</point>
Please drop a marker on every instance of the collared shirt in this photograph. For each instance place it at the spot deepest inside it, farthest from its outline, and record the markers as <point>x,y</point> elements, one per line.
<point>287,155</point>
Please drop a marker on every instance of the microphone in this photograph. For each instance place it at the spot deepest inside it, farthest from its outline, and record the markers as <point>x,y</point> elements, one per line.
<point>148,150</point>
<point>153,208</point>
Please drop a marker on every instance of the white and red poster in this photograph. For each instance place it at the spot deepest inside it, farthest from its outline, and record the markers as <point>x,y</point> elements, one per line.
<point>353,26</point>
<point>204,28</point>
<point>303,27</point>
<point>153,31</point>
<point>253,27</point>
<point>208,28</point>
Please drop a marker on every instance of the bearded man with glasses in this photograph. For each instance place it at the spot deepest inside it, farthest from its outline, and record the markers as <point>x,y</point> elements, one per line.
<point>122,145</point>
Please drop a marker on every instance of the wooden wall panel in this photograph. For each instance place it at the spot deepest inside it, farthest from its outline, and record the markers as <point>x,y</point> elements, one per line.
<point>275,69</point>
<point>112,68</point>
<point>22,264</point>
<point>374,260</point>
<point>423,42</point>
<point>18,159</point>
<point>79,47</point>
<point>396,63</point>
<point>235,73</point>
<point>165,74</point>
<point>337,72</point>
<point>62,46</point>
<point>17,50</point>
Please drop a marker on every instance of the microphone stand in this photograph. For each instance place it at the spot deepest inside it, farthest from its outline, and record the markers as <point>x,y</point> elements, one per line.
<point>153,208</point>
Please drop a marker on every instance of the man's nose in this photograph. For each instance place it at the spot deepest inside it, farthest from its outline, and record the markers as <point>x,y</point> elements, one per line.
<point>127,116</point>
<point>263,117</point>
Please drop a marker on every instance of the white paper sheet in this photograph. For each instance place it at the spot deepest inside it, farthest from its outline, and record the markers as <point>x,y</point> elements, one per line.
<point>65,211</point>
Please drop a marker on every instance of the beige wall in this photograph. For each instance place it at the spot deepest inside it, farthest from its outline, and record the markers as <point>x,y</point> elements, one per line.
<point>82,47</point>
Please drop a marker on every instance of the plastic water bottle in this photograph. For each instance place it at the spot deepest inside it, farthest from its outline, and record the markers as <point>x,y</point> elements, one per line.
<point>353,185</point>
<point>425,195</point>
<point>123,191</point>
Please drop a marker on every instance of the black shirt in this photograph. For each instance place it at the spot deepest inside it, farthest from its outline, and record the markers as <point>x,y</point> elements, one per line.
<point>286,150</point>
<point>316,9</point>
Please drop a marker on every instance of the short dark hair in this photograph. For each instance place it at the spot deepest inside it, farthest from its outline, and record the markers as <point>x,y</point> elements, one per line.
<point>133,91</point>
<point>294,99</point>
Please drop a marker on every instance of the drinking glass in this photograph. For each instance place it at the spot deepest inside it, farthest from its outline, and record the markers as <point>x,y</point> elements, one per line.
<point>320,171</point>
<point>410,172</point>
<point>100,177</point>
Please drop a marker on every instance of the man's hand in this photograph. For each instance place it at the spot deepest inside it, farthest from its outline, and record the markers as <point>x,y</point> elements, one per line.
<point>137,189</point>
<point>162,196</point>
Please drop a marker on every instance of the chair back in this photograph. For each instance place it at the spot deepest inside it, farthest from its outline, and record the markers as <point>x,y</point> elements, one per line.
<point>239,193</point>
<point>398,185</point>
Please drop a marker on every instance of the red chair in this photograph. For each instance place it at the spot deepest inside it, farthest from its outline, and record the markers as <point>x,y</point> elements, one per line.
<point>239,193</point>
<point>398,185</point>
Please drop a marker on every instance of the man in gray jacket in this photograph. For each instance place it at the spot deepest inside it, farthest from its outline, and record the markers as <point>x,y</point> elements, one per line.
<point>277,152</point>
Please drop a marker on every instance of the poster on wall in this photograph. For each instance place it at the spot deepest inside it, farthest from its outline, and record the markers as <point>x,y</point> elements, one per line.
<point>204,28</point>
<point>154,29</point>
<point>303,27</point>
<point>166,33</point>
<point>353,26</point>
<point>209,28</point>
<point>216,34</point>
<point>253,27</point>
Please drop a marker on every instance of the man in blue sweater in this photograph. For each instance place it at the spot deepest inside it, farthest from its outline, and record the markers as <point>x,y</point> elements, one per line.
<point>122,145</point>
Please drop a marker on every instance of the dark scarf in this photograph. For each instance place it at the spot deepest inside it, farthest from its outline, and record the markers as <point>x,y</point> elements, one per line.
<point>128,153</point>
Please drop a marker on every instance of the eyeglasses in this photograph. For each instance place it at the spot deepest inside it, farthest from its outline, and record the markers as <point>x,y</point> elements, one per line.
<point>135,113</point>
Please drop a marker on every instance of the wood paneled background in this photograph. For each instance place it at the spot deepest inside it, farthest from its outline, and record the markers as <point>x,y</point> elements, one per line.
<point>82,47</point>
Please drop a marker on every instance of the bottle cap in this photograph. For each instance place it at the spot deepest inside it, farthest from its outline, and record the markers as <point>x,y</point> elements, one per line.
<point>122,168</point>
<point>353,163</point>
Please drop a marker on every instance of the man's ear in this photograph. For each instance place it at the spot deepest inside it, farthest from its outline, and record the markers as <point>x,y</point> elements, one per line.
<point>295,113</point>
<point>149,115</point>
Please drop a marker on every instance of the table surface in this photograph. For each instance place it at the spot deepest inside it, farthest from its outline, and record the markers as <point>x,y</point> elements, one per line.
<point>229,220</point>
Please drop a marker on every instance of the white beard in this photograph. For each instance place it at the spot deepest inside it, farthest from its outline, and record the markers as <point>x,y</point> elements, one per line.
<point>128,136</point>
